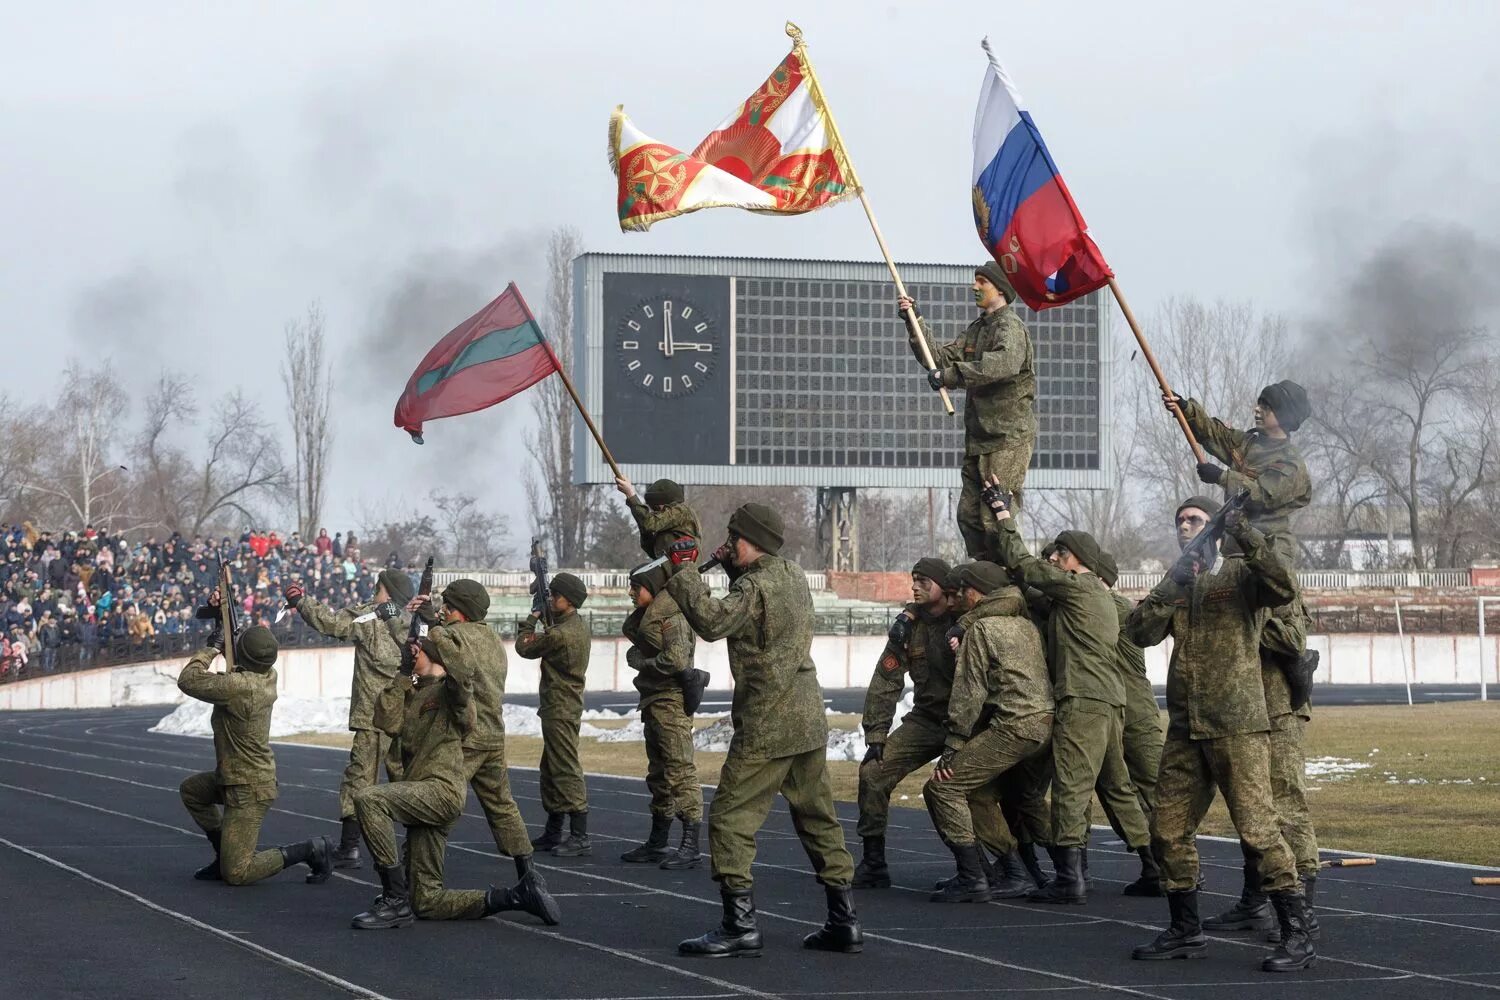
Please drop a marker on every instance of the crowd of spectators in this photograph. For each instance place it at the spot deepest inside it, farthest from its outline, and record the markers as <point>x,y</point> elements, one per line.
<point>71,599</point>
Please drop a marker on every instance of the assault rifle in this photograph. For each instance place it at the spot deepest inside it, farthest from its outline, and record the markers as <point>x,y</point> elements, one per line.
<point>1203,547</point>
<point>418,627</point>
<point>225,614</point>
<point>541,601</point>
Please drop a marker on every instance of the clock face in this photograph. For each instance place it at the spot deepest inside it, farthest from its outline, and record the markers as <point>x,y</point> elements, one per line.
<point>668,346</point>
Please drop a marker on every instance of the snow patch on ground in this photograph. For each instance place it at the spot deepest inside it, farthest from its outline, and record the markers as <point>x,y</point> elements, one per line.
<point>289,716</point>
<point>1333,768</point>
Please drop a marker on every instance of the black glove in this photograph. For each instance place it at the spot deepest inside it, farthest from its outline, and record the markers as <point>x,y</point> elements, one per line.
<point>538,605</point>
<point>956,632</point>
<point>1184,571</point>
<point>1210,473</point>
<point>292,593</point>
<point>216,638</point>
<point>875,752</point>
<point>945,765</point>
<point>387,610</point>
<point>935,379</point>
<point>1236,523</point>
<point>427,612</point>
<point>682,552</point>
<point>900,632</point>
<point>901,313</point>
<point>694,683</point>
<point>996,497</point>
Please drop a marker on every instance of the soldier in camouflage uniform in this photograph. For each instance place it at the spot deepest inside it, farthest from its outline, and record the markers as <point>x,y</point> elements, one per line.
<point>661,651</point>
<point>915,645</point>
<point>780,730</point>
<point>1218,731</point>
<point>564,652</point>
<point>371,628</point>
<point>999,718</point>
<point>243,780</point>
<point>431,714</point>
<point>663,518</point>
<point>992,362</point>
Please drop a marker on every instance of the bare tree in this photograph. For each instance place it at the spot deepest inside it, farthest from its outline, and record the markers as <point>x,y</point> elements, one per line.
<point>476,538</point>
<point>1337,444</point>
<point>22,430</point>
<point>308,379</point>
<point>79,476</point>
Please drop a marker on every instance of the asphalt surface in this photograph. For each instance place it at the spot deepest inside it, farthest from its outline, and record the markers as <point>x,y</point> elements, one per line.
<point>96,855</point>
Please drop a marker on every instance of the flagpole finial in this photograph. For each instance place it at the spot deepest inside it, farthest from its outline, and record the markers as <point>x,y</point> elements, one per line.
<point>984,43</point>
<point>794,33</point>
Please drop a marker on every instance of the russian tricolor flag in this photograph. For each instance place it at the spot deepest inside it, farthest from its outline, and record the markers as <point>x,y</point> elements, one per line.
<point>1023,211</point>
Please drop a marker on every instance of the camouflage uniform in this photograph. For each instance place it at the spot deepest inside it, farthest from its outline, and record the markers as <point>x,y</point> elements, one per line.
<point>1218,726</point>
<point>780,730</point>
<point>564,652</point>
<point>377,656</point>
<point>992,361</point>
<point>661,647</point>
<point>1285,635</point>
<point>660,528</point>
<point>244,777</point>
<point>1142,736</point>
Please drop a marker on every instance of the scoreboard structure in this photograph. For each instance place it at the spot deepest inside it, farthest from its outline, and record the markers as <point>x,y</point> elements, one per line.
<point>772,372</point>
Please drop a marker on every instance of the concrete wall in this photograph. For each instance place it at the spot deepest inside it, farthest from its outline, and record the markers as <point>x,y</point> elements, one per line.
<point>843,662</point>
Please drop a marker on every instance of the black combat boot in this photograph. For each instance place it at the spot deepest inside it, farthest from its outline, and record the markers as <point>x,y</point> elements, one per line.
<point>1027,854</point>
<point>1183,938</point>
<point>969,885</point>
<point>1068,887</point>
<point>551,834</point>
<point>1295,952</point>
<point>841,932</point>
<point>1083,868</point>
<point>654,850</point>
<point>347,855</point>
<point>1149,883</point>
<point>210,872</point>
<point>316,853</point>
<point>872,872</point>
<point>1309,893</point>
<point>1009,880</point>
<point>990,875</point>
<point>524,866</point>
<point>1251,913</point>
<point>736,934</point>
<point>578,844</point>
<point>687,854</point>
<point>392,908</point>
<point>529,895</point>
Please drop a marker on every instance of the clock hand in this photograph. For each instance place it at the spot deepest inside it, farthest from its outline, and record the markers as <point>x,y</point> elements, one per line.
<point>683,345</point>
<point>666,318</point>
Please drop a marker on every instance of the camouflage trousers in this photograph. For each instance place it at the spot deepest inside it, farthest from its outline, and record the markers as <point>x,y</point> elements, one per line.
<point>747,789</point>
<point>561,772</point>
<point>363,769</point>
<point>671,772</point>
<point>973,517</point>
<point>428,802</point>
<point>427,846</point>
<point>976,769</point>
<point>1013,808</point>
<point>1088,757</point>
<point>245,808</point>
<point>915,743</point>
<point>487,774</point>
<point>1141,742</point>
<point>1288,790</point>
<point>1191,772</point>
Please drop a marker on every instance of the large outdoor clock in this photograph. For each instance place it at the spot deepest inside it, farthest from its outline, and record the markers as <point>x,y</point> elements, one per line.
<point>669,345</point>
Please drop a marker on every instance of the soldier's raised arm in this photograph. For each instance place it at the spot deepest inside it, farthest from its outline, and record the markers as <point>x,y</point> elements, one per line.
<point>712,617</point>
<point>1273,582</point>
<point>1218,438</point>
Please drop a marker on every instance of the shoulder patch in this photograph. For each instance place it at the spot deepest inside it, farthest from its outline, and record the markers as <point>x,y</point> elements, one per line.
<point>889,663</point>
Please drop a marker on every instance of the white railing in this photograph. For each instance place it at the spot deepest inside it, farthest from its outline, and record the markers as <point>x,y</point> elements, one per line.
<point>600,580</point>
<point>1342,579</point>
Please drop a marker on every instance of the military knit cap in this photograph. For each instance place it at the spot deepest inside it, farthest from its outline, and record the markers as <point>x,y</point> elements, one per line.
<point>954,581</point>
<point>992,272</point>
<point>932,568</point>
<point>469,598</point>
<point>1288,401</point>
<point>1082,545</point>
<point>431,649</point>
<point>397,584</point>
<point>663,492</point>
<point>760,526</point>
<point>256,649</point>
<point>572,588</point>
<point>1109,570</point>
<point>983,576</point>
<point>1208,505</point>
<point>651,575</point>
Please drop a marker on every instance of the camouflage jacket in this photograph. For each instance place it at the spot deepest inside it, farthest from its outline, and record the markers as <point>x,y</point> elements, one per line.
<point>473,651</point>
<point>1001,674</point>
<point>660,528</point>
<point>1281,641</point>
<point>1006,600</point>
<point>431,716</point>
<point>564,652</point>
<point>1272,470</point>
<point>661,647</point>
<point>377,655</point>
<point>929,661</point>
<point>1214,686</point>
<point>1130,659</point>
<point>767,618</point>
<point>992,362</point>
<point>1082,624</point>
<point>241,718</point>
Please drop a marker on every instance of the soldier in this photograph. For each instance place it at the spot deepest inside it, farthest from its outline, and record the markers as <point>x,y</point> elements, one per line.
<point>780,730</point>
<point>999,717</point>
<point>377,655</point>
<point>1083,630</point>
<point>916,645</point>
<point>431,715</point>
<point>661,652</point>
<point>1218,727</point>
<point>564,652</point>
<point>663,518</point>
<point>992,361</point>
<point>243,780</point>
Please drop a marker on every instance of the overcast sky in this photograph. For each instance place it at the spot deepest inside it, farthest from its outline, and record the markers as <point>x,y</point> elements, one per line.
<point>177,180</point>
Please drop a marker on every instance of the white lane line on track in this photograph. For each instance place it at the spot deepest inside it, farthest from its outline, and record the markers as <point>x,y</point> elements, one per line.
<point>354,989</point>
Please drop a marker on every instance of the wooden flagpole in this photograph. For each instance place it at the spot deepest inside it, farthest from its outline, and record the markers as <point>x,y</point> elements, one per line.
<point>800,47</point>
<point>1161,379</point>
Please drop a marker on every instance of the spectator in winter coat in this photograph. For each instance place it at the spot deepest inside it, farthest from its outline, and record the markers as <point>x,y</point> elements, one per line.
<point>324,544</point>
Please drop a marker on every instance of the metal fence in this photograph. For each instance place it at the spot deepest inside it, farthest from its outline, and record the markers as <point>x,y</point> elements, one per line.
<point>1342,579</point>
<point>595,580</point>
